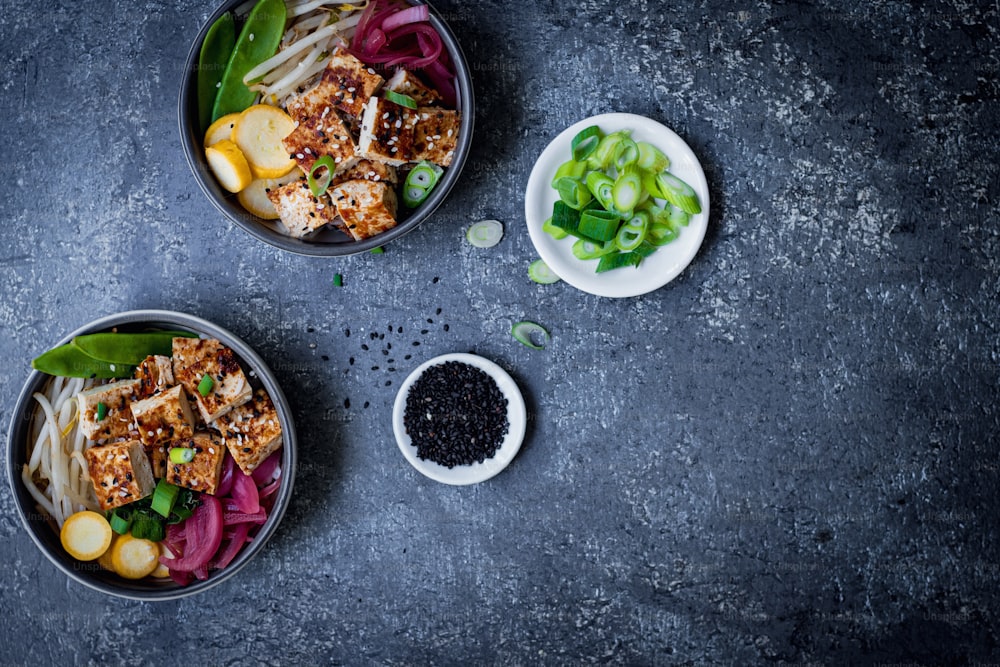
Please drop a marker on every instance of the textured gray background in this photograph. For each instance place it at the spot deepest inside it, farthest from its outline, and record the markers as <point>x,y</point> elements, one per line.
<point>788,455</point>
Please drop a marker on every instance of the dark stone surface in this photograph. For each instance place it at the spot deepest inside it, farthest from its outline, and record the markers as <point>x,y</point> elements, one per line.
<point>787,455</point>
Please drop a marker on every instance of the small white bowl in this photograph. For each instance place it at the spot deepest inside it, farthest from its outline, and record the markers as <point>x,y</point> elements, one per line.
<point>517,418</point>
<point>656,270</point>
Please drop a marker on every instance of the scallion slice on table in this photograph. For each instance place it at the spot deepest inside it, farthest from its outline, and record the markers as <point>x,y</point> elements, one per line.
<point>319,184</point>
<point>419,183</point>
<point>485,233</point>
<point>542,273</point>
<point>526,333</point>
<point>400,99</point>
<point>585,142</point>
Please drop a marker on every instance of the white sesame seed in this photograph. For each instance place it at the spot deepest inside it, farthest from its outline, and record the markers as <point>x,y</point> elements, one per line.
<point>377,178</point>
<point>385,125</point>
<point>394,149</point>
<point>336,160</point>
<point>351,89</point>
<point>111,366</point>
<point>450,132</point>
<point>430,146</point>
<point>251,37</point>
<point>211,450</point>
<point>162,449</point>
<point>307,151</point>
<point>218,85</point>
<point>299,155</point>
<point>159,431</point>
<point>320,207</point>
<point>399,124</point>
<point>371,71</point>
<point>385,115</point>
<point>436,137</point>
<point>149,433</point>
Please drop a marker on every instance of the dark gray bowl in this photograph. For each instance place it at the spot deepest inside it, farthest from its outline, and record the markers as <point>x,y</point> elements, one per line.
<point>43,531</point>
<point>328,243</point>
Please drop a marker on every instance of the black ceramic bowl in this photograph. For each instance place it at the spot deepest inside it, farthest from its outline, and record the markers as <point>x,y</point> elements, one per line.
<point>331,243</point>
<point>43,530</point>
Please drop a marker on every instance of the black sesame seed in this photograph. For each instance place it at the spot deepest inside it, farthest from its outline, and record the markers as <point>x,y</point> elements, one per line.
<point>351,361</point>
<point>310,330</point>
<point>388,346</point>
<point>366,405</point>
<point>347,403</point>
<point>373,335</point>
<point>364,347</point>
<point>416,343</point>
<point>385,352</point>
<point>347,333</point>
<point>388,383</point>
<point>324,357</point>
<point>435,279</point>
<point>446,327</point>
<point>374,368</point>
<point>437,312</point>
<point>409,356</point>
<point>423,331</point>
<point>455,415</point>
<point>430,320</point>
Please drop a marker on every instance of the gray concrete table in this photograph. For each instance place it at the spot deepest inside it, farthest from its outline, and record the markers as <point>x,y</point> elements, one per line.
<point>789,454</point>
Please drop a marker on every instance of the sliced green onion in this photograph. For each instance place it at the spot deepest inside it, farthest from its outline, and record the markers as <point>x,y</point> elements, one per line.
<point>633,233</point>
<point>206,384</point>
<point>598,225</point>
<point>400,99</point>
<point>678,218</point>
<point>542,273</point>
<point>583,249</point>
<point>419,183</point>
<point>102,411</point>
<point>627,190</point>
<point>573,192</point>
<point>164,498</point>
<point>120,521</point>
<point>181,455</point>
<point>319,185</point>
<point>147,528</point>
<point>553,231</point>
<point>617,260</point>
<point>651,158</point>
<point>660,235</point>
<point>604,155</point>
<point>678,193</point>
<point>338,280</point>
<point>377,251</point>
<point>485,233</point>
<point>601,186</point>
<point>564,217</point>
<point>585,142</point>
<point>570,168</point>
<point>523,332</point>
<point>626,153</point>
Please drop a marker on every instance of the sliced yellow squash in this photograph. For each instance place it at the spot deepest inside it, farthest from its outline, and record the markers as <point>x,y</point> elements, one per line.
<point>221,129</point>
<point>258,133</point>
<point>229,165</point>
<point>254,196</point>
<point>161,570</point>
<point>133,558</point>
<point>86,535</point>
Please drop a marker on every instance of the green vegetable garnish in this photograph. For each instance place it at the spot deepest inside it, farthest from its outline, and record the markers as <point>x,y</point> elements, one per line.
<point>419,183</point>
<point>181,455</point>
<point>627,190</point>
<point>338,280</point>
<point>583,249</point>
<point>400,99</point>
<point>633,233</point>
<point>120,520</point>
<point>102,411</point>
<point>70,361</point>
<point>523,332</point>
<point>553,231</point>
<point>651,158</point>
<point>127,348</point>
<point>377,250</point>
<point>485,233</point>
<point>319,185</point>
<point>257,42</point>
<point>626,153</point>
<point>215,52</point>
<point>541,273</point>
<point>599,225</point>
<point>206,384</point>
<point>570,168</point>
<point>573,192</point>
<point>164,498</point>
<point>585,142</point>
<point>678,193</point>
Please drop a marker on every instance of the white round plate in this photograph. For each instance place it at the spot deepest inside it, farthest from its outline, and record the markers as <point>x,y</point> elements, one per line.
<point>656,270</point>
<point>476,472</point>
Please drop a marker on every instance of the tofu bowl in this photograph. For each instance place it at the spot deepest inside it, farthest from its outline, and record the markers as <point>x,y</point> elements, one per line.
<point>355,151</point>
<point>228,480</point>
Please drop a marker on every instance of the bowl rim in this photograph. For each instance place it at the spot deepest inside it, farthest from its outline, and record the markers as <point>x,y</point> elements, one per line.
<point>517,418</point>
<point>17,437</point>
<point>226,204</point>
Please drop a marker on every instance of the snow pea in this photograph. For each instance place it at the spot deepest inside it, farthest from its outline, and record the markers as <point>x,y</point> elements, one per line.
<point>257,42</point>
<point>127,348</point>
<point>215,51</point>
<point>70,361</point>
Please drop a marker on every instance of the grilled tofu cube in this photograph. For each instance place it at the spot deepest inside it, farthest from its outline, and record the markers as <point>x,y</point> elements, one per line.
<point>117,398</point>
<point>367,208</point>
<point>406,82</point>
<point>204,472</point>
<point>164,417</point>
<point>386,132</point>
<point>300,212</point>
<point>252,431</point>
<point>346,83</point>
<point>119,472</point>
<point>436,136</point>
<point>318,136</point>
<point>194,358</point>
<point>367,170</point>
<point>156,373</point>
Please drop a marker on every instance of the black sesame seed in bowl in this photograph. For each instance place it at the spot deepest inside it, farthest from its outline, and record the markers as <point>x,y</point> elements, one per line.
<point>459,419</point>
